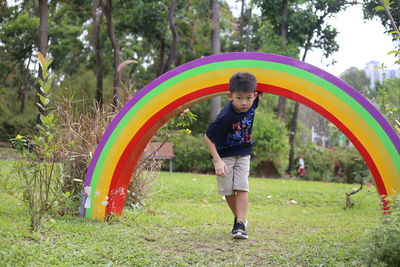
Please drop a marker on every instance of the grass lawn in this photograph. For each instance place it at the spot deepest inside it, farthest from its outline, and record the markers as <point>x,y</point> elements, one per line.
<point>187,223</point>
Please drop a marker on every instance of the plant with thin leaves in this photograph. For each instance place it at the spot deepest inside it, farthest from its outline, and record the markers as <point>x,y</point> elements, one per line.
<point>38,185</point>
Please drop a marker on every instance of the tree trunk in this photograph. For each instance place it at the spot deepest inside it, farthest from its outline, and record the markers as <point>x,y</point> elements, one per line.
<point>161,56</point>
<point>284,23</point>
<point>43,42</point>
<point>22,98</point>
<point>292,129</point>
<point>293,122</point>
<point>97,16</point>
<point>250,18</point>
<point>284,39</point>
<point>392,21</point>
<point>25,85</point>
<point>175,37</point>
<point>241,25</point>
<point>107,9</point>
<point>216,49</point>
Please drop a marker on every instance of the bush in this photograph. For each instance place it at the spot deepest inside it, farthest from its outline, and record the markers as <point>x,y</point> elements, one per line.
<point>271,147</point>
<point>381,244</point>
<point>191,155</point>
<point>320,164</point>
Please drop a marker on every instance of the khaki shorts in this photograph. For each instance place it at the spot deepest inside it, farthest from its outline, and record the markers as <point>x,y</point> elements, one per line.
<point>237,177</point>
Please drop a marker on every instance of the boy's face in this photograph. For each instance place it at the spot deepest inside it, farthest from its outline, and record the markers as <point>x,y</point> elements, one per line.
<point>242,101</point>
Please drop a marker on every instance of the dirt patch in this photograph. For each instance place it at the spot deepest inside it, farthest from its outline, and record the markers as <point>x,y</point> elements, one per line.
<point>267,169</point>
<point>7,152</point>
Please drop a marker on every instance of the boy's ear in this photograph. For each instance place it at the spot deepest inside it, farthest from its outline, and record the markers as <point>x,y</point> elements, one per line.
<point>229,94</point>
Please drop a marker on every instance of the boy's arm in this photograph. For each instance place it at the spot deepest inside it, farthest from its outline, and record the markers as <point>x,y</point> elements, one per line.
<point>220,167</point>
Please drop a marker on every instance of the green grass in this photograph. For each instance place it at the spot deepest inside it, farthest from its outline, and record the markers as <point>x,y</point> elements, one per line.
<point>187,223</point>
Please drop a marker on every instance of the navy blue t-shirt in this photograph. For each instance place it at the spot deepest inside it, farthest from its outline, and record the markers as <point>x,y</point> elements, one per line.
<point>231,131</point>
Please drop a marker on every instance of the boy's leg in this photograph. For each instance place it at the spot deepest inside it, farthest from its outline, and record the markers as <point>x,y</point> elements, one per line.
<point>239,230</point>
<point>242,201</point>
<point>231,200</point>
<point>241,186</point>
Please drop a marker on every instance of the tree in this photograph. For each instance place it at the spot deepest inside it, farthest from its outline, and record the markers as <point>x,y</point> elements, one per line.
<point>107,9</point>
<point>319,35</point>
<point>358,79</point>
<point>278,12</point>
<point>175,36</point>
<point>216,49</point>
<point>97,15</point>
<point>386,11</point>
<point>19,37</point>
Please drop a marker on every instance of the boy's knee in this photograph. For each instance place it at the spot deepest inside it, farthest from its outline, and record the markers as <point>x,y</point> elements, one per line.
<point>241,192</point>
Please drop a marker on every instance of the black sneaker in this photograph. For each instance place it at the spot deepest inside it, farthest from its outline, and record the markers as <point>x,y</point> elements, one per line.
<point>239,232</point>
<point>233,227</point>
<point>234,223</point>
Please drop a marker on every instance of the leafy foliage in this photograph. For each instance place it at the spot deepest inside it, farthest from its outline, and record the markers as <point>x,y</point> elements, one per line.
<point>374,8</point>
<point>191,155</point>
<point>320,164</point>
<point>270,136</point>
<point>358,79</point>
<point>381,243</point>
<point>388,100</point>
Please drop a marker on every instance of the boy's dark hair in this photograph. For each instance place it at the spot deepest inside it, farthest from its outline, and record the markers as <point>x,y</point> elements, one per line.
<point>243,82</point>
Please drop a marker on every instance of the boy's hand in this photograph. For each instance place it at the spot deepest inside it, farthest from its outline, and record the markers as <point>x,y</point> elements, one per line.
<point>220,168</point>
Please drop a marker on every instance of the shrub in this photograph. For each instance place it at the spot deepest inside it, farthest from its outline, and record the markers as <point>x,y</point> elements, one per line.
<point>320,164</point>
<point>271,147</point>
<point>381,244</point>
<point>191,155</point>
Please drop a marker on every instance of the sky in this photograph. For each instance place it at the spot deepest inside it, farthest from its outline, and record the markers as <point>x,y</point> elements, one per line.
<point>359,42</point>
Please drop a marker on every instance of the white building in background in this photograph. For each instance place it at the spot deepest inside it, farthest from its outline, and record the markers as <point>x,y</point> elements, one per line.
<point>375,73</point>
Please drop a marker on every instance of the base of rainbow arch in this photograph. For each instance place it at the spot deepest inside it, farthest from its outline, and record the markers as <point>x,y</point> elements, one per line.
<point>113,163</point>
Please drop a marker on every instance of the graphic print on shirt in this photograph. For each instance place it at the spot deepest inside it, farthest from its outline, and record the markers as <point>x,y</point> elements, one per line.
<point>241,131</point>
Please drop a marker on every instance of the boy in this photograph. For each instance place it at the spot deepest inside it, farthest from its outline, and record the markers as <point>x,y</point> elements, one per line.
<point>229,142</point>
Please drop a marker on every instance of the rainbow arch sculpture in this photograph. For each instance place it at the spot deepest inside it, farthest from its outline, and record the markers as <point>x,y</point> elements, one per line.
<point>115,158</point>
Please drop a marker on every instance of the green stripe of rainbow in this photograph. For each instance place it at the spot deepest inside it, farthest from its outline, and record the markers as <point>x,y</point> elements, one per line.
<point>123,142</point>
